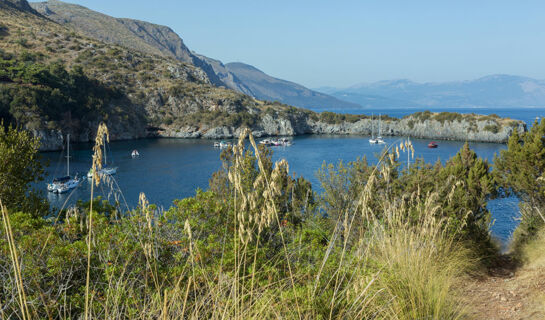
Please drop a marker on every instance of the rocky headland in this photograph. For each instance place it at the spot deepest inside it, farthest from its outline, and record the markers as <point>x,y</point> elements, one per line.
<point>462,127</point>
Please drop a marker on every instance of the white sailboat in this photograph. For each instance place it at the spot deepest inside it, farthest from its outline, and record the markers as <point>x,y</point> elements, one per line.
<point>66,183</point>
<point>109,171</point>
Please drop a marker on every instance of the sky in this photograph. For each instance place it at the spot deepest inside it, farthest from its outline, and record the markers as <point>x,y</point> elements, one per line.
<point>341,43</point>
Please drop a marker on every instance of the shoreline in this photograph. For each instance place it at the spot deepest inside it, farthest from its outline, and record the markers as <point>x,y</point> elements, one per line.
<point>446,126</point>
<point>324,135</point>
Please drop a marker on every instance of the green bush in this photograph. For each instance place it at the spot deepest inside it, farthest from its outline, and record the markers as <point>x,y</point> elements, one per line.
<point>520,170</point>
<point>448,117</point>
<point>494,128</point>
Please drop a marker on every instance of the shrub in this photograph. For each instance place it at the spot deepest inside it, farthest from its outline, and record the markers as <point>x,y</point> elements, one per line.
<point>19,167</point>
<point>520,170</point>
<point>448,116</point>
<point>494,128</point>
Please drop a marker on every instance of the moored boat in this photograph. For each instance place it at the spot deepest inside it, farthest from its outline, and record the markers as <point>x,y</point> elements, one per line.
<point>105,170</point>
<point>224,144</point>
<point>433,145</point>
<point>66,183</point>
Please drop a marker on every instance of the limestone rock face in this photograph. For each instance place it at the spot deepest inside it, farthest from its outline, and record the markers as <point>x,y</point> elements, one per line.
<point>464,130</point>
<point>50,140</point>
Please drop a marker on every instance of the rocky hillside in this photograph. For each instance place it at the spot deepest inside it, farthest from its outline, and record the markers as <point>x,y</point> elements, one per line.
<point>139,35</point>
<point>22,5</point>
<point>161,40</point>
<point>55,81</point>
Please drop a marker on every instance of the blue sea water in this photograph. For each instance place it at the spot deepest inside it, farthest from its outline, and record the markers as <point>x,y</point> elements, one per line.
<point>171,169</point>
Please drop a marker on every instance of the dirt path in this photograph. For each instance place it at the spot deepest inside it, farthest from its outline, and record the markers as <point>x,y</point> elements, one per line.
<point>506,293</point>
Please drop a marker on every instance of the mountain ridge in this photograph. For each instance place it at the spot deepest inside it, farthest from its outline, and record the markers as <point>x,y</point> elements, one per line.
<point>496,90</point>
<point>162,40</point>
<point>269,88</point>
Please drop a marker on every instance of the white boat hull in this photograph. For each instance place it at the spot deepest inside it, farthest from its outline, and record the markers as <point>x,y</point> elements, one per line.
<point>67,186</point>
<point>103,171</point>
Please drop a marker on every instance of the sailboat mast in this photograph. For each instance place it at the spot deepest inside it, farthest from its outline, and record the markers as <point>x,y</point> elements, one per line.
<point>68,154</point>
<point>372,132</point>
<point>379,125</point>
<point>105,160</point>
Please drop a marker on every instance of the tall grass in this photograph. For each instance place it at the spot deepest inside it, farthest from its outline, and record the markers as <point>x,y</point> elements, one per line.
<point>395,262</point>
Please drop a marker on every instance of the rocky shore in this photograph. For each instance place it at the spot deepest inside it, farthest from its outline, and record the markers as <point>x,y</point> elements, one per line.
<point>465,128</point>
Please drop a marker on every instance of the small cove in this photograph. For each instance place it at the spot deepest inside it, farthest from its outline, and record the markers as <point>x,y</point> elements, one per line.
<point>170,169</point>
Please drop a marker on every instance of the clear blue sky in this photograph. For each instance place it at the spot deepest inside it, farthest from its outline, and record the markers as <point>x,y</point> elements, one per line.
<point>340,43</point>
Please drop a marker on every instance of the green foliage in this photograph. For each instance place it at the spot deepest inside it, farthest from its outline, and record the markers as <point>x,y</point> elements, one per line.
<point>19,167</point>
<point>467,203</point>
<point>33,92</point>
<point>463,184</point>
<point>494,128</point>
<point>423,116</point>
<point>336,118</point>
<point>520,170</point>
<point>449,116</point>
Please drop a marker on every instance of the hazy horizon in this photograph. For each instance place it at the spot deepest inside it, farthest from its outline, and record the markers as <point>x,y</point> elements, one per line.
<point>322,44</point>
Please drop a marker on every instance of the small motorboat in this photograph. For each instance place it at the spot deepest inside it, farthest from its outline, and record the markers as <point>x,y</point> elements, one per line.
<point>433,145</point>
<point>135,154</point>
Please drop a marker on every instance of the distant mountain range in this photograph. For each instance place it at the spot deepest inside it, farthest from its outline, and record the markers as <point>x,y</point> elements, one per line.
<point>161,40</point>
<point>490,91</point>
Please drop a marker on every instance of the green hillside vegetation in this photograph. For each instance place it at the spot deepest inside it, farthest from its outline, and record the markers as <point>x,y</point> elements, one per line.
<point>33,93</point>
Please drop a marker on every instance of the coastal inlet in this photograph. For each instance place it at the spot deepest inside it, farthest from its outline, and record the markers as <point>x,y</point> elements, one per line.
<point>169,169</point>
